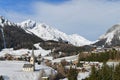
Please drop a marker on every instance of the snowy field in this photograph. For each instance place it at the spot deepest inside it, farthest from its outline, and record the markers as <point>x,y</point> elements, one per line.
<point>12,70</point>
<point>24,51</point>
<point>69,58</point>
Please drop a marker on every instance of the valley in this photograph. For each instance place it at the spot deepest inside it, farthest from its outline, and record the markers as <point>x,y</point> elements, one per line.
<point>57,55</point>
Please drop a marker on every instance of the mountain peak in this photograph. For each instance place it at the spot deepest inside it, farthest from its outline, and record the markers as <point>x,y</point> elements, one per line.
<point>114,28</point>
<point>4,21</point>
<point>27,24</point>
<point>111,37</point>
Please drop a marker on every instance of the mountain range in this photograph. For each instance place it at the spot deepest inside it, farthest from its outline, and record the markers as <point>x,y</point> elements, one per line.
<point>49,33</point>
<point>29,32</point>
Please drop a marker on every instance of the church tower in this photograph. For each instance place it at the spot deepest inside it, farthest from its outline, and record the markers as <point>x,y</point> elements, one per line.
<point>32,60</point>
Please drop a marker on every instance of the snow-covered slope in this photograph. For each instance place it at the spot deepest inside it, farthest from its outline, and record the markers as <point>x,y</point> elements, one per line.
<point>12,70</point>
<point>49,33</point>
<point>111,33</point>
<point>111,37</point>
<point>114,31</point>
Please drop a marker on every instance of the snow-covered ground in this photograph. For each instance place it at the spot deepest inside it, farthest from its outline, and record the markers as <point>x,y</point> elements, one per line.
<point>24,51</point>
<point>12,70</point>
<point>83,75</point>
<point>69,58</point>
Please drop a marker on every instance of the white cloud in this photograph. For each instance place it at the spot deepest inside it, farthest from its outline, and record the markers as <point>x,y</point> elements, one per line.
<point>86,17</point>
<point>89,18</point>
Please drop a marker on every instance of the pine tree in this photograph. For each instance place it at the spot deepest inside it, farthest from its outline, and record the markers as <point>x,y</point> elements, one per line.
<point>1,77</point>
<point>106,72</point>
<point>94,74</point>
<point>72,74</point>
<point>117,72</point>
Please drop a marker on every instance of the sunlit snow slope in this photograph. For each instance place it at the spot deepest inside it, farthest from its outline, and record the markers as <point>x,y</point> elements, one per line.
<point>49,33</point>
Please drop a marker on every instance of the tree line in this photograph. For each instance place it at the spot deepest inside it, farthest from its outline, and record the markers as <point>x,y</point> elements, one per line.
<point>105,73</point>
<point>100,57</point>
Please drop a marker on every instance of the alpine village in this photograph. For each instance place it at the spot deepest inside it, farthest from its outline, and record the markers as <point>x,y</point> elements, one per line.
<point>33,50</point>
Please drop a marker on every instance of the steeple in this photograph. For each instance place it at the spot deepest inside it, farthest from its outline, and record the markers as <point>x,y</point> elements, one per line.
<point>32,55</point>
<point>32,59</point>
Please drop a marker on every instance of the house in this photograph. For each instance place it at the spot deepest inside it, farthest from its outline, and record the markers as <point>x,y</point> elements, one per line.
<point>28,67</point>
<point>31,65</point>
<point>45,78</point>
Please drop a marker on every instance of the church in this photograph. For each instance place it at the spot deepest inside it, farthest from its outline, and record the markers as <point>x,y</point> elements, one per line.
<point>31,65</point>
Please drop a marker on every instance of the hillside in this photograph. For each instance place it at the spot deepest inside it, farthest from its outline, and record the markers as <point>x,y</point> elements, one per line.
<point>17,37</point>
<point>13,36</point>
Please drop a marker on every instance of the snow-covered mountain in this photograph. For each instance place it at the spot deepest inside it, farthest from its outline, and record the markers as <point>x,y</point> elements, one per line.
<point>13,36</point>
<point>49,33</point>
<point>111,37</point>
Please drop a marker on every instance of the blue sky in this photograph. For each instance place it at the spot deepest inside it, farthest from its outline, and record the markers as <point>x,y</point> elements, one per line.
<point>88,18</point>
